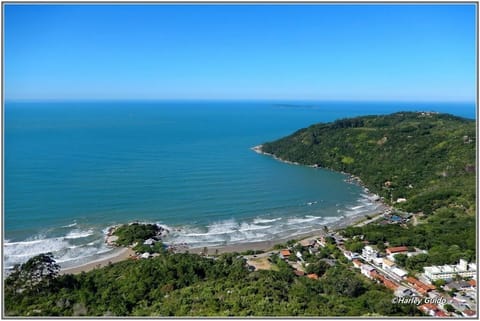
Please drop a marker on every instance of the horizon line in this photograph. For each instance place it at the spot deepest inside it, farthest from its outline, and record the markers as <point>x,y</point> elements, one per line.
<point>15,100</point>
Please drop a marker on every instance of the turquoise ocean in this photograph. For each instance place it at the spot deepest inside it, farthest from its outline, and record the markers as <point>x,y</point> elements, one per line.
<point>72,169</point>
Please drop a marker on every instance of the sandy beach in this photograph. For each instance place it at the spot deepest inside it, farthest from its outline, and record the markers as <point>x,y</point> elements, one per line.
<point>120,254</point>
<point>268,245</point>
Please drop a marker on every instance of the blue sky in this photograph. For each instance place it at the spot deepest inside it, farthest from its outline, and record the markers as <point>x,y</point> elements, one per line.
<point>312,52</point>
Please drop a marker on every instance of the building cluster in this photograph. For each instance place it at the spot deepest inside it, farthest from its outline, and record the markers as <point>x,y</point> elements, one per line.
<point>462,269</point>
<point>383,269</point>
<point>457,297</point>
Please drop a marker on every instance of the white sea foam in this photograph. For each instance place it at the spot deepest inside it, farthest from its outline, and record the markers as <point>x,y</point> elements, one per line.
<point>76,234</point>
<point>70,225</point>
<point>19,252</point>
<point>357,207</point>
<point>262,220</point>
<point>252,227</point>
<point>302,220</point>
<point>64,248</point>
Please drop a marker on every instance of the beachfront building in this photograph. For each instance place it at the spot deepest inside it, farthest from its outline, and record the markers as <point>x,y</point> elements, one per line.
<point>285,254</point>
<point>445,272</point>
<point>368,253</point>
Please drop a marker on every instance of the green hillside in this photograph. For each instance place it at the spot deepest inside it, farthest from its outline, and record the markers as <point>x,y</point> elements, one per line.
<point>426,158</point>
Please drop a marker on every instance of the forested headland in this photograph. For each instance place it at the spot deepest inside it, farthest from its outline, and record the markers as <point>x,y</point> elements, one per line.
<point>419,162</point>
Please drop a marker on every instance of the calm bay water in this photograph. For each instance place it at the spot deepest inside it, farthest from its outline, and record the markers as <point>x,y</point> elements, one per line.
<point>74,168</point>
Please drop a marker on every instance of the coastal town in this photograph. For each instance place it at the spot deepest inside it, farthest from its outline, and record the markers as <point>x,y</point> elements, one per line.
<point>438,291</point>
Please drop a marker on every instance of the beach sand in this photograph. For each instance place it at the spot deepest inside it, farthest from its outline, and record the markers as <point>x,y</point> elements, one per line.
<point>120,255</point>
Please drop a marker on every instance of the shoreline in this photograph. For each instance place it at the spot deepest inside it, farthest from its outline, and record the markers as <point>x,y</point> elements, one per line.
<point>125,253</point>
<point>122,254</point>
<point>269,244</point>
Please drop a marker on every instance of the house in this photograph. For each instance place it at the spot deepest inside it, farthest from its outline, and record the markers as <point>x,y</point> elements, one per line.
<point>322,241</point>
<point>377,276</point>
<point>419,285</point>
<point>387,264</point>
<point>428,308</point>
<point>313,250</point>
<point>312,276</point>
<point>339,240</point>
<point>368,253</point>
<point>299,256</point>
<point>351,255</point>
<point>149,242</point>
<point>390,284</point>
<point>285,254</point>
<point>348,255</point>
<point>400,272</point>
<point>473,283</point>
<point>457,285</point>
<point>378,261</point>
<point>355,255</point>
<point>440,314</point>
<point>357,263</point>
<point>366,270</point>
<point>469,313</point>
<point>307,243</point>
<point>402,291</point>
<point>396,250</point>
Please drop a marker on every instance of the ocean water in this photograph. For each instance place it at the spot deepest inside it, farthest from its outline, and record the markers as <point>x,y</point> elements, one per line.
<point>72,169</point>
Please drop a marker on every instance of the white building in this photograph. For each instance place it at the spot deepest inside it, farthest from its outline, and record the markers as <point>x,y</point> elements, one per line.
<point>351,255</point>
<point>368,253</point>
<point>367,270</point>
<point>444,272</point>
<point>400,272</point>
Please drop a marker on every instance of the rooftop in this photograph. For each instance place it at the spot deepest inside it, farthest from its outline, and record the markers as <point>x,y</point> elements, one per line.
<point>397,249</point>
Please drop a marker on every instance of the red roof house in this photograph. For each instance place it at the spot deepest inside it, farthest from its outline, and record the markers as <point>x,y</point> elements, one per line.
<point>398,249</point>
<point>285,254</point>
<point>472,283</point>
<point>357,263</point>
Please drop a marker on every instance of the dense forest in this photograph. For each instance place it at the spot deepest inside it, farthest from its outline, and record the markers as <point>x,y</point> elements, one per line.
<point>426,158</point>
<point>192,285</point>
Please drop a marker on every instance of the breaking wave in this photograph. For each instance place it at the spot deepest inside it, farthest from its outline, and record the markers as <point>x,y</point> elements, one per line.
<point>74,244</point>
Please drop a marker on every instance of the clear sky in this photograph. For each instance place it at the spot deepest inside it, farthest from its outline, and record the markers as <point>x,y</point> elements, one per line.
<point>316,51</point>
